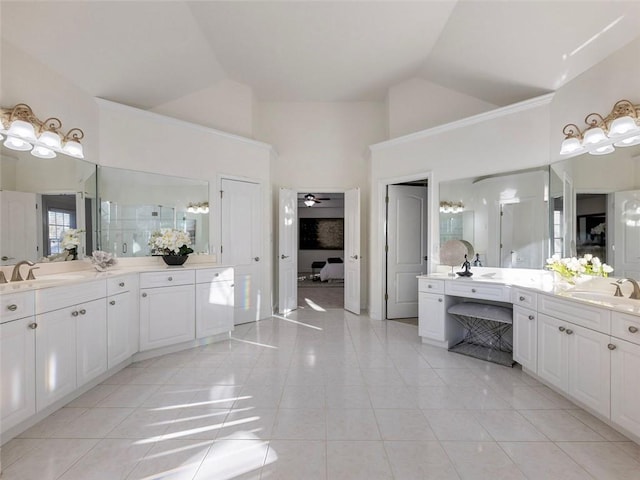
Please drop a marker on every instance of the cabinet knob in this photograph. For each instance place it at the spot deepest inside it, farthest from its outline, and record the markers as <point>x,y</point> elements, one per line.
<point>83,311</point>
<point>216,274</point>
<point>569,331</point>
<point>121,284</point>
<point>33,326</point>
<point>521,298</point>
<point>531,317</point>
<point>633,329</point>
<point>232,285</point>
<point>13,307</point>
<point>562,329</point>
<point>170,279</point>
<point>440,300</point>
<point>611,346</point>
<point>144,295</point>
<point>74,313</point>
<point>112,302</point>
<point>429,286</point>
<point>257,259</point>
<point>473,290</point>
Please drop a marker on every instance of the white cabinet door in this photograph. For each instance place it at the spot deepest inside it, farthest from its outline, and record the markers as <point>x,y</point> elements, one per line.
<point>525,338</point>
<point>589,368</point>
<point>55,356</point>
<point>17,372</point>
<point>122,328</point>
<point>91,340</point>
<point>431,316</point>
<point>214,308</point>
<point>625,385</point>
<point>167,316</point>
<point>552,351</point>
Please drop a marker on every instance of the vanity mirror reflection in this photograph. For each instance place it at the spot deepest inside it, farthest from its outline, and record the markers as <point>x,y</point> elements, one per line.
<point>135,204</point>
<point>40,199</point>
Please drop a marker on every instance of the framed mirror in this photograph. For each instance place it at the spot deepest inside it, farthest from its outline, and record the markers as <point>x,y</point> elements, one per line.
<point>135,204</point>
<point>40,200</point>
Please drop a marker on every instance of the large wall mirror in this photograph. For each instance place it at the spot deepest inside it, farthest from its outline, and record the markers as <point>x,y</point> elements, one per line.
<point>40,199</point>
<point>135,204</point>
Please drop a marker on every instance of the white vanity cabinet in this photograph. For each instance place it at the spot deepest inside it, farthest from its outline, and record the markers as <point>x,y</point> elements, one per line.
<point>167,308</point>
<point>625,385</point>
<point>17,359</point>
<point>214,301</point>
<point>431,316</point>
<point>525,337</point>
<point>123,328</point>
<point>91,340</point>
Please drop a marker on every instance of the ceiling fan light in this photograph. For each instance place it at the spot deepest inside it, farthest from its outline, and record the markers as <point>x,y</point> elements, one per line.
<point>602,150</point>
<point>50,139</point>
<point>23,130</point>
<point>622,125</point>
<point>309,203</point>
<point>593,136</point>
<point>43,152</point>
<point>628,142</point>
<point>73,148</point>
<point>571,145</point>
<point>15,143</point>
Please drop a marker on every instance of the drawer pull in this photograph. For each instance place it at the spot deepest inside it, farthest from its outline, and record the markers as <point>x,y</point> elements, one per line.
<point>521,298</point>
<point>144,295</point>
<point>13,307</point>
<point>121,284</point>
<point>33,326</point>
<point>611,346</point>
<point>531,317</point>
<point>112,302</point>
<point>562,329</point>
<point>74,313</point>
<point>216,274</point>
<point>569,331</point>
<point>473,290</point>
<point>633,329</point>
<point>440,300</point>
<point>83,311</point>
<point>429,286</point>
<point>170,279</point>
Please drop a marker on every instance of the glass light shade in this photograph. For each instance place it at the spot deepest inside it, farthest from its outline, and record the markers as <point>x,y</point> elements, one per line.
<point>22,129</point>
<point>43,152</point>
<point>309,203</point>
<point>50,139</point>
<point>570,145</point>
<point>622,125</point>
<point>593,136</point>
<point>73,148</point>
<point>628,142</point>
<point>602,150</point>
<point>15,143</point>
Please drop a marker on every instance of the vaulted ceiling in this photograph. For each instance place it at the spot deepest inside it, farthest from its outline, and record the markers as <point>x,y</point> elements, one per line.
<point>148,53</point>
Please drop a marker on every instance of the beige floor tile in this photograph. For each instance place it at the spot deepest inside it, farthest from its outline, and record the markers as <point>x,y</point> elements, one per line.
<point>171,460</point>
<point>419,460</point>
<point>300,423</point>
<point>604,461</point>
<point>509,426</point>
<point>352,424</point>
<point>296,460</point>
<point>357,460</point>
<point>561,426</point>
<point>398,424</point>
<point>544,461</point>
<point>457,425</point>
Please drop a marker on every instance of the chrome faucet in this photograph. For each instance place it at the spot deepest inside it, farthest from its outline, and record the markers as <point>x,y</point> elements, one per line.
<point>635,295</point>
<point>15,275</point>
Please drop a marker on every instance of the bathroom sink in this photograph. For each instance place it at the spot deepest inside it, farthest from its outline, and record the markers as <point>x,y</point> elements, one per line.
<point>599,297</point>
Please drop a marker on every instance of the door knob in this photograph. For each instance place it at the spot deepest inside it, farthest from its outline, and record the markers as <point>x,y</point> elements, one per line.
<point>355,257</point>
<point>283,256</point>
<point>257,259</point>
<point>521,298</point>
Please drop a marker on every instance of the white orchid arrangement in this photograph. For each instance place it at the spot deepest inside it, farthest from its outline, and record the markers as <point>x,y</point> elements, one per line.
<point>70,238</point>
<point>572,267</point>
<point>103,260</point>
<point>169,241</point>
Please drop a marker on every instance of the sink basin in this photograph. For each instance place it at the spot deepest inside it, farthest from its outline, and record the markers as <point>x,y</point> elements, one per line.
<point>600,297</point>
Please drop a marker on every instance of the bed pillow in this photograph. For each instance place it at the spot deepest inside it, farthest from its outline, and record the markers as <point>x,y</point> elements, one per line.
<point>334,260</point>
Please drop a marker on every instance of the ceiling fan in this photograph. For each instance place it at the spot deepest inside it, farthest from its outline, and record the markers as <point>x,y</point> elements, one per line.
<point>310,199</point>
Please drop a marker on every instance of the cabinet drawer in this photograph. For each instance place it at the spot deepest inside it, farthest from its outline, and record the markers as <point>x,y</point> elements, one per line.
<point>524,298</point>
<point>214,275</point>
<point>475,290</point>
<point>626,326</point>
<point>598,319</point>
<point>167,278</point>
<point>50,299</point>
<point>428,285</point>
<point>120,284</point>
<point>16,305</point>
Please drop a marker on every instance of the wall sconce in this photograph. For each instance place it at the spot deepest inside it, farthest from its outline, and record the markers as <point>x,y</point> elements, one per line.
<point>26,132</point>
<point>621,128</point>
<point>451,207</point>
<point>200,207</point>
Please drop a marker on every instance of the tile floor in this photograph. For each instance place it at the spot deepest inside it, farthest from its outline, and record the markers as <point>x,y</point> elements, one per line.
<point>320,395</point>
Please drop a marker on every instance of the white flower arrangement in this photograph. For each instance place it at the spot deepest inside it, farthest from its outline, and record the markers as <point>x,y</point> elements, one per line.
<point>572,267</point>
<point>169,241</point>
<point>70,238</point>
<point>103,260</point>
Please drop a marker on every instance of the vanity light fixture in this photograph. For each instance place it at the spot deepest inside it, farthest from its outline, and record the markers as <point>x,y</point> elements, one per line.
<point>451,207</point>
<point>199,207</point>
<point>26,132</point>
<point>620,128</point>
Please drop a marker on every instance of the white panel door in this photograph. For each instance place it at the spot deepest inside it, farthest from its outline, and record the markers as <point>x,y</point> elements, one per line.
<point>214,308</point>
<point>91,340</point>
<point>242,236</point>
<point>627,234</point>
<point>352,250</point>
<point>552,351</point>
<point>18,209</point>
<point>407,247</point>
<point>525,337</point>
<point>431,316</point>
<point>625,385</point>
<point>288,251</point>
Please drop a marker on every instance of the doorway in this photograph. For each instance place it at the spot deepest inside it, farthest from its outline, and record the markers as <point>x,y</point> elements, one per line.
<point>591,225</point>
<point>406,246</point>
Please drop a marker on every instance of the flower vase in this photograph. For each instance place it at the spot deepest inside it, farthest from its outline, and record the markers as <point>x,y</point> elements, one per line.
<point>72,253</point>
<point>174,260</point>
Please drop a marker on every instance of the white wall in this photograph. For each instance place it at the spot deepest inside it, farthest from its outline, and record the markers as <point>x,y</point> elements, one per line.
<point>417,104</point>
<point>227,106</point>
<point>322,147</point>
